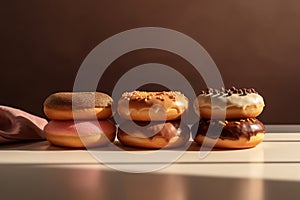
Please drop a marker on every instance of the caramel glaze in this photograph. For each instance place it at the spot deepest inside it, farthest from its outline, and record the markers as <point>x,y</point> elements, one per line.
<point>142,99</point>
<point>166,129</point>
<point>231,129</point>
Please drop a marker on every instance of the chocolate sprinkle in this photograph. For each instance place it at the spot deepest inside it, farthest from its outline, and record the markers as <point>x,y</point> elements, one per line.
<point>228,92</point>
<point>146,96</point>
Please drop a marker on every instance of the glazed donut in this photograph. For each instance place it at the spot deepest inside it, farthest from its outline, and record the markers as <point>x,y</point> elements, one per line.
<point>236,134</point>
<point>64,133</point>
<point>155,136</point>
<point>240,103</point>
<point>152,106</point>
<point>86,105</point>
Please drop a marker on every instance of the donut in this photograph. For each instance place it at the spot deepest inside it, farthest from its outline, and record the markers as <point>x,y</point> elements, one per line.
<point>86,105</point>
<point>235,134</point>
<point>152,106</point>
<point>240,103</point>
<point>64,133</point>
<point>156,135</point>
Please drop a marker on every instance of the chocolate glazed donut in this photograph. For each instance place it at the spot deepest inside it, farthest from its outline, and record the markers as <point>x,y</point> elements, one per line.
<point>236,134</point>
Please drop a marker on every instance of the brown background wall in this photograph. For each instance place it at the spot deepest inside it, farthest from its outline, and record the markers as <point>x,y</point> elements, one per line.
<point>254,43</point>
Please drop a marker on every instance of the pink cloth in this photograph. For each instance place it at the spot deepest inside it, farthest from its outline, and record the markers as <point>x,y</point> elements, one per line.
<point>17,125</point>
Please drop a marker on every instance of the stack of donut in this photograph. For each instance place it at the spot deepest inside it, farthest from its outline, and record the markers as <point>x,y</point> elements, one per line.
<point>240,129</point>
<point>152,119</point>
<point>79,119</point>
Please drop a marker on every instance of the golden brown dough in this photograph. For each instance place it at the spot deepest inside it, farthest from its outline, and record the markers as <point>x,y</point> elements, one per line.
<point>86,105</point>
<point>159,135</point>
<point>241,143</point>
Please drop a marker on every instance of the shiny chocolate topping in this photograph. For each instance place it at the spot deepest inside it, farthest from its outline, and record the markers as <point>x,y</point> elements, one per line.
<point>232,129</point>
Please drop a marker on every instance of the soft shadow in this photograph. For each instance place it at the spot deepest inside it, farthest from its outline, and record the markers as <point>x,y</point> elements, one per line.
<point>73,182</point>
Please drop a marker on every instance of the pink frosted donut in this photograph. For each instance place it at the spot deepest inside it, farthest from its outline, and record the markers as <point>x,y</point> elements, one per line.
<point>87,134</point>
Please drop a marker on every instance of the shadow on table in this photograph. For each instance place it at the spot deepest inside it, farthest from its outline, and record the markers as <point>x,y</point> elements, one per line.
<point>45,145</point>
<point>67,182</point>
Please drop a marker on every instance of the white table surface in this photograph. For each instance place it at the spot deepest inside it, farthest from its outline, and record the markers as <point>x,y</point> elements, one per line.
<point>268,171</point>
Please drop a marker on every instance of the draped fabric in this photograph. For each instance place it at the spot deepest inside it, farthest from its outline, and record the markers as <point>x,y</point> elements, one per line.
<point>18,125</point>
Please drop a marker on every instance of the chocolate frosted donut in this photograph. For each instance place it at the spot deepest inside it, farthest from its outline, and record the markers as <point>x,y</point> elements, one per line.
<point>236,134</point>
<point>239,103</point>
<point>152,106</point>
<point>155,136</point>
<point>83,105</point>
